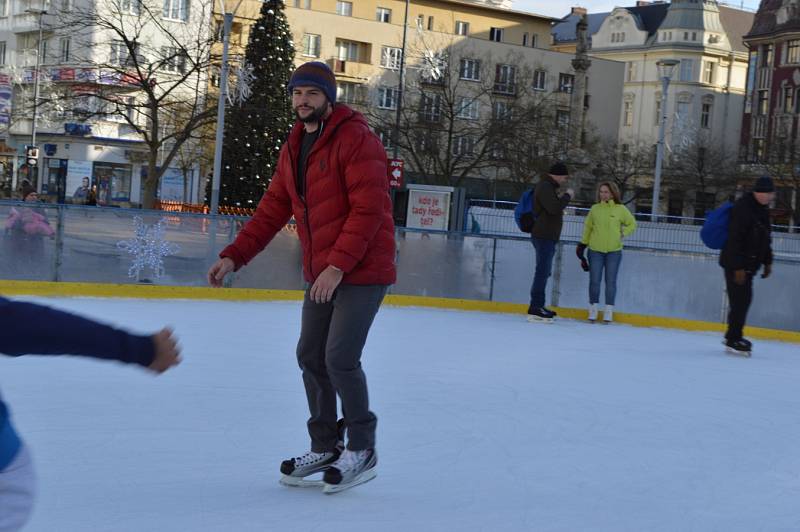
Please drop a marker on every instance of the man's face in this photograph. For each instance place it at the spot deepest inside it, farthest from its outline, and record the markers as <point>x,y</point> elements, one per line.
<point>764,198</point>
<point>309,104</point>
<point>560,179</point>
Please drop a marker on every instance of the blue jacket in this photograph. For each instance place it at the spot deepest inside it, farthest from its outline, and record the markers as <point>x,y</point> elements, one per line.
<point>29,328</point>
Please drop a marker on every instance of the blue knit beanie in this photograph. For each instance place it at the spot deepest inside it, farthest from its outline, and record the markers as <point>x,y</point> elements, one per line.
<point>315,74</point>
<point>764,184</point>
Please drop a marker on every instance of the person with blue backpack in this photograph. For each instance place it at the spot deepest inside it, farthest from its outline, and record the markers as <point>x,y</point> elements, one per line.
<point>748,247</point>
<point>548,214</point>
<point>30,328</point>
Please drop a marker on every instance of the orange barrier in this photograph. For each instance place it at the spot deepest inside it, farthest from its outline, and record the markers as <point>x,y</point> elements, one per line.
<point>177,206</point>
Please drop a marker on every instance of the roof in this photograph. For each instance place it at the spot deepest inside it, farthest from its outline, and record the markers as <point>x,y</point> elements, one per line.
<point>766,22</point>
<point>502,9</point>
<point>648,18</point>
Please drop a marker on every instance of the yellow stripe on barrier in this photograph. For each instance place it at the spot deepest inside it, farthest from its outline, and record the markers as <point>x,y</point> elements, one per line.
<point>137,291</point>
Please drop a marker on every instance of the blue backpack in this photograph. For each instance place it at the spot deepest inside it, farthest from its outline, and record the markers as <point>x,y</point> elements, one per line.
<point>523,212</point>
<point>715,229</point>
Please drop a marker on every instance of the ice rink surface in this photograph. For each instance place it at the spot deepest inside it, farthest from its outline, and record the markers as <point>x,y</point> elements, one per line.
<point>486,423</point>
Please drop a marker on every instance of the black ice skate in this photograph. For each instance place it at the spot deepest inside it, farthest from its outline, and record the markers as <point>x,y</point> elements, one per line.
<point>739,347</point>
<point>296,470</point>
<point>541,315</point>
<point>351,469</point>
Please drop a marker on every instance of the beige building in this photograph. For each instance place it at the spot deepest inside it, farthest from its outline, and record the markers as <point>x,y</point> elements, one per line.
<point>466,43</point>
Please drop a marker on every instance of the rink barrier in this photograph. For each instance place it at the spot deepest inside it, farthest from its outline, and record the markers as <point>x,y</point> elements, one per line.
<point>134,291</point>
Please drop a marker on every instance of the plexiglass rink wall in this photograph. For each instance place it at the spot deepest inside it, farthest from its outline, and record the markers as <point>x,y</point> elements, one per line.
<point>88,245</point>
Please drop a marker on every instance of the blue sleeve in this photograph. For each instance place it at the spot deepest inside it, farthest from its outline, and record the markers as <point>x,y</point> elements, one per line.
<point>28,328</point>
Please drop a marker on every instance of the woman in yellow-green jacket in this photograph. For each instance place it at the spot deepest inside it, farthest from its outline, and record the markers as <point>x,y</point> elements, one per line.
<point>608,222</point>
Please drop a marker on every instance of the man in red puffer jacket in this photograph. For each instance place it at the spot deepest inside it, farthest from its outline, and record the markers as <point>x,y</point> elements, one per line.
<point>331,175</point>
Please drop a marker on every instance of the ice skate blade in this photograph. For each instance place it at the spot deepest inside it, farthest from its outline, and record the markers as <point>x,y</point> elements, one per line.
<point>295,482</point>
<point>366,476</point>
<point>607,322</point>
<point>538,319</point>
<point>731,351</point>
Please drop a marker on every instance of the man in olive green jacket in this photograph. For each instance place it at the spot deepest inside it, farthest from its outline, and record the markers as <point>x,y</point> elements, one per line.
<point>548,206</point>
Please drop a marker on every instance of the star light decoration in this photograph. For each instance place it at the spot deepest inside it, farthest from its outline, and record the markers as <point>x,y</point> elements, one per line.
<point>147,248</point>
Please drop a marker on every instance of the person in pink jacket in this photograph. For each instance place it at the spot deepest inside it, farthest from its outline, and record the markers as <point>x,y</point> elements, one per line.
<point>25,230</point>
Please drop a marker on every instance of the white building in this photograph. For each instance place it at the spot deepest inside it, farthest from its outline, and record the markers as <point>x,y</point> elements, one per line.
<point>90,99</point>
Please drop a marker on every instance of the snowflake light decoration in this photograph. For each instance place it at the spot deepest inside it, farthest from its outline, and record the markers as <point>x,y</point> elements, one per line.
<point>147,248</point>
<point>244,84</point>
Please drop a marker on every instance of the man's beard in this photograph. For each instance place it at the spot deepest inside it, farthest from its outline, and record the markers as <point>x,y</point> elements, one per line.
<point>316,115</point>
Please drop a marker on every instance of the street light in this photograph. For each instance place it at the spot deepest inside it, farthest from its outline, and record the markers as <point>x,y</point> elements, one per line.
<point>41,13</point>
<point>227,22</point>
<point>666,67</point>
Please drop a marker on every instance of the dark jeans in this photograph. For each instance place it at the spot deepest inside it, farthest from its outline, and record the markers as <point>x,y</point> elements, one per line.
<point>739,298</point>
<point>545,251</point>
<point>597,263</point>
<point>332,338</point>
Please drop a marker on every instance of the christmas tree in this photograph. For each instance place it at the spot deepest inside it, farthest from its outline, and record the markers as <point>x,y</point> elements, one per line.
<point>259,120</point>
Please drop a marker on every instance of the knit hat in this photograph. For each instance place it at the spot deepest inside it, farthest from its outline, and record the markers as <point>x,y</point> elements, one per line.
<point>764,184</point>
<point>315,74</point>
<point>26,190</point>
<point>558,168</point>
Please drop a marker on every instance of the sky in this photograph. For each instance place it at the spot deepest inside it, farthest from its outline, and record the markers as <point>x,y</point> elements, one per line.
<point>560,8</point>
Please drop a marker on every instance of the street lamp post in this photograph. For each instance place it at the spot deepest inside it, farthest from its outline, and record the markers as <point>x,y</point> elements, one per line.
<point>41,13</point>
<point>227,22</point>
<point>666,68</point>
<point>400,85</point>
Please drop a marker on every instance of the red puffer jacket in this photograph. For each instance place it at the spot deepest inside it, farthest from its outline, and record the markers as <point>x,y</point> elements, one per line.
<point>346,218</point>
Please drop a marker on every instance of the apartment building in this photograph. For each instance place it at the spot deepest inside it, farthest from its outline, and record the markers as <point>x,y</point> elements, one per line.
<point>89,92</point>
<point>473,42</point>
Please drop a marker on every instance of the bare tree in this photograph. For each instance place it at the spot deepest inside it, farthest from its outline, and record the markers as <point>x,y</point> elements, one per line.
<point>146,66</point>
<point>624,164</point>
<point>782,163</point>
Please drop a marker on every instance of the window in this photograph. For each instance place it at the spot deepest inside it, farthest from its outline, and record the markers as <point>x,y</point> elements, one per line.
<point>468,108</point>
<point>65,45</point>
<point>132,7</point>
<point>562,119</point>
<point>176,9</point>
<point>391,57</point>
<point>708,72</point>
<point>618,37</point>
<point>430,23</point>
<point>3,8</point>
<point>687,67</point>
<point>386,138</point>
<point>463,146</point>
<point>627,113</point>
<point>66,6</point>
<point>705,115</point>
<point>788,99</point>
<point>793,51</point>
<point>174,59</point>
<point>383,14</point>
<point>2,52</point>
<point>685,35</point>
<point>121,110</point>
<point>344,9</point>
<point>347,92</point>
<point>534,40</point>
<point>311,45</point>
<point>631,71</point>
<point>119,54</point>
<point>694,35</point>
<point>566,82</point>
<point>347,50</point>
<point>525,39</point>
<point>430,107</point>
<point>766,55</point>
<point>505,79</point>
<point>539,80</point>
<point>496,34</point>
<point>44,50</point>
<point>387,98</point>
<point>470,69</point>
<point>502,110</point>
<point>762,106</point>
<point>420,22</point>
<point>462,28</point>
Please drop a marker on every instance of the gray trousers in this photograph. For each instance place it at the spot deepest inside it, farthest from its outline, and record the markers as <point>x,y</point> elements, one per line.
<point>332,338</point>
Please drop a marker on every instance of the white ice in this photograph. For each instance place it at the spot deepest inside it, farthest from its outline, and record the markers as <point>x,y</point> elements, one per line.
<point>486,422</point>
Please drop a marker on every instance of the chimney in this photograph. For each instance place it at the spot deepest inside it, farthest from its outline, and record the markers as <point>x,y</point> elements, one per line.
<point>580,11</point>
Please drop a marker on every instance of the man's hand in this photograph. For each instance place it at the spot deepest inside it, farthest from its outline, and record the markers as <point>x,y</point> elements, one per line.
<point>767,271</point>
<point>323,288</point>
<point>218,271</point>
<point>739,277</point>
<point>167,351</point>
